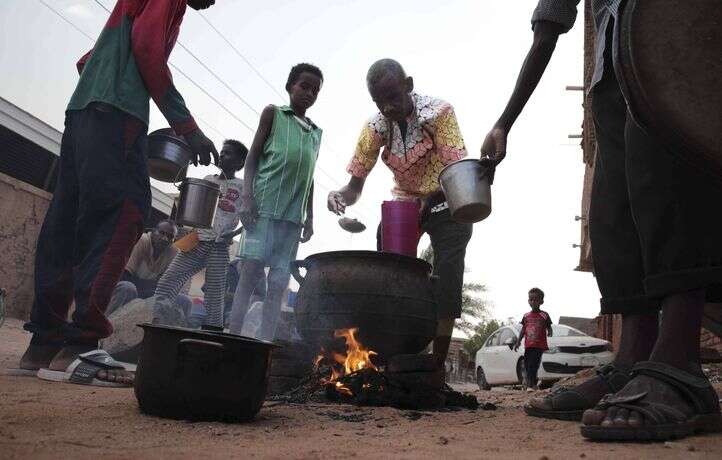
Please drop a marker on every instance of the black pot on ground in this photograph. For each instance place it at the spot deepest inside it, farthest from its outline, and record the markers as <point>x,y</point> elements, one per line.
<point>388,297</point>
<point>201,375</point>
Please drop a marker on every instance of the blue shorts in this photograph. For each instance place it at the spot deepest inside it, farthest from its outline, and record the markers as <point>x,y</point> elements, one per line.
<point>273,242</point>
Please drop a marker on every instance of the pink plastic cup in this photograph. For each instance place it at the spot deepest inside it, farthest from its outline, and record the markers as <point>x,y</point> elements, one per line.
<point>400,227</point>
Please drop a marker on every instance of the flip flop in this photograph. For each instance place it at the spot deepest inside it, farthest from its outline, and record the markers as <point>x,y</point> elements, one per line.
<point>83,371</point>
<point>566,403</point>
<point>662,421</point>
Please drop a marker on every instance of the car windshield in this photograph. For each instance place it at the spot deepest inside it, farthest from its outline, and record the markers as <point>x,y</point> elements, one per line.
<point>566,331</point>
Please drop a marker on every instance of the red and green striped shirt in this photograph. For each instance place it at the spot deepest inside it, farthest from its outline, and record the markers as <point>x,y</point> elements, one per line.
<point>129,63</point>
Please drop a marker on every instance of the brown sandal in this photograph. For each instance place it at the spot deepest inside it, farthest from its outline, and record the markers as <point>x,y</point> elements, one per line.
<point>653,384</point>
<point>567,403</point>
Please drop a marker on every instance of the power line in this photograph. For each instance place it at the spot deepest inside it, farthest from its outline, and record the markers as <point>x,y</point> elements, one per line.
<point>211,97</point>
<point>89,37</point>
<point>208,69</point>
<point>223,82</point>
<point>57,13</point>
<point>239,54</point>
<point>178,69</point>
<point>260,75</point>
<point>257,72</point>
<point>203,90</point>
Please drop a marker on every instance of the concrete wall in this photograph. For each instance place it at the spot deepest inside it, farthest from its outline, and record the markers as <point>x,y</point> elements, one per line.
<point>22,209</point>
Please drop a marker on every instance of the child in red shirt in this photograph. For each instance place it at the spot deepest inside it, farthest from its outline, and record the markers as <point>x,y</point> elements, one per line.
<point>536,326</point>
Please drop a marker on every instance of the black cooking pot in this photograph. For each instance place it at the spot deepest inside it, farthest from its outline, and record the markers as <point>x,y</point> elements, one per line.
<point>388,297</point>
<point>201,375</point>
<point>168,156</point>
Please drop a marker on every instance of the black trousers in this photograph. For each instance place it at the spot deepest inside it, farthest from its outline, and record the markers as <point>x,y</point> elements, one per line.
<point>532,360</point>
<point>654,221</point>
<point>448,242</point>
<point>96,216</point>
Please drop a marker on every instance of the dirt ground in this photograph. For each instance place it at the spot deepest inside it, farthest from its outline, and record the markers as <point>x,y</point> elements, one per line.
<point>54,420</point>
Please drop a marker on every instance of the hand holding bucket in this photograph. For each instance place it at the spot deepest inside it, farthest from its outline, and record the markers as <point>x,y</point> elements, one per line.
<point>467,186</point>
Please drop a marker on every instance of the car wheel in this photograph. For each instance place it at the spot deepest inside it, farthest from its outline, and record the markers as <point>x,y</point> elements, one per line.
<point>521,372</point>
<point>481,380</point>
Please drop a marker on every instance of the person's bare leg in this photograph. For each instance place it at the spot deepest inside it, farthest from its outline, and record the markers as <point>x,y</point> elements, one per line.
<point>677,345</point>
<point>442,341</point>
<point>277,284</point>
<point>639,334</point>
<point>40,352</point>
<point>250,273</point>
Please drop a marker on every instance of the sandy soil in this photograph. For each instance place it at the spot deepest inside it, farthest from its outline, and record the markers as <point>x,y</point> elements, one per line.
<point>53,420</point>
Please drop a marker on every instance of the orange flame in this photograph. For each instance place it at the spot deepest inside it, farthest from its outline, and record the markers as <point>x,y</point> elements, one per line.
<point>355,359</point>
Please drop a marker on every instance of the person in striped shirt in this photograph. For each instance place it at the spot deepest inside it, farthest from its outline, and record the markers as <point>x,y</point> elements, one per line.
<point>211,251</point>
<point>277,198</point>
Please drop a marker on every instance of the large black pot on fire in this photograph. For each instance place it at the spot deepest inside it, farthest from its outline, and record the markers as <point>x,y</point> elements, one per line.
<point>201,375</point>
<point>388,297</point>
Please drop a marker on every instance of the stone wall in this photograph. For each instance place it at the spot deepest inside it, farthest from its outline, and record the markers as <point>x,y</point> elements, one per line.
<point>22,209</point>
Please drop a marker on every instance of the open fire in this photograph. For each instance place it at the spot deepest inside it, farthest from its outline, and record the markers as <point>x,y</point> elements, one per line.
<point>352,376</point>
<point>355,359</point>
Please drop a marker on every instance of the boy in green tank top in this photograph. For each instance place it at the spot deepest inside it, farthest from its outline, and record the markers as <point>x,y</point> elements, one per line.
<point>277,197</point>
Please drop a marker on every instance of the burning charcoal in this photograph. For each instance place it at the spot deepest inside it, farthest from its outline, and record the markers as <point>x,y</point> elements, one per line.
<point>351,377</point>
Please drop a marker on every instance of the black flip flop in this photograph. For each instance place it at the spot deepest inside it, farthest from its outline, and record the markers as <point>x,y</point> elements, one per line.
<point>662,422</point>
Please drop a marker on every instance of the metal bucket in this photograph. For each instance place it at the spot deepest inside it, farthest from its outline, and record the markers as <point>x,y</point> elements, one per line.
<point>468,190</point>
<point>197,203</point>
<point>168,156</point>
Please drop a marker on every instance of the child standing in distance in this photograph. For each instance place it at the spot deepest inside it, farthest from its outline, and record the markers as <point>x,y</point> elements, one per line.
<point>277,199</point>
<point>211,252</point>
<point>536,326</point>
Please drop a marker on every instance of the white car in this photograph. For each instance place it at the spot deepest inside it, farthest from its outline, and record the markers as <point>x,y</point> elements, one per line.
<point>570,351</point>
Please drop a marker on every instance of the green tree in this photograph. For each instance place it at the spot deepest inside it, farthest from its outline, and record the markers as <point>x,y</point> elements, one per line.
<point>482,331</point>
<point>474,307</point>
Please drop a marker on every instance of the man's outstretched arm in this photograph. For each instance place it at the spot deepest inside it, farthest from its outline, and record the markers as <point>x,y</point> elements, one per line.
<point>546,34</point>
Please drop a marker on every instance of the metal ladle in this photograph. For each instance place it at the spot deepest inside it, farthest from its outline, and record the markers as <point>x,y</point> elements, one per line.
<point>351,225</point>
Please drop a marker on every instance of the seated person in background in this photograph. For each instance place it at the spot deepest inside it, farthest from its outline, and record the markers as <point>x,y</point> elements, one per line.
<point>150,258</point>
